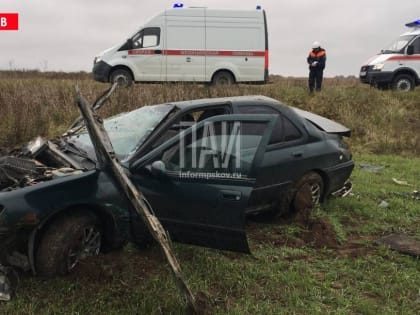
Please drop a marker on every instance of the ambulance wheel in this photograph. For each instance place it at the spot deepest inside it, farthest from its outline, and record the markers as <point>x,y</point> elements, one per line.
<point>223,78</point>
<point>403,82</point>
<point>122,76</point>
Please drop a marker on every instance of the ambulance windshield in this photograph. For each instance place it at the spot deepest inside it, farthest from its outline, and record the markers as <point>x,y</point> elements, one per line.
<point>398,45</point>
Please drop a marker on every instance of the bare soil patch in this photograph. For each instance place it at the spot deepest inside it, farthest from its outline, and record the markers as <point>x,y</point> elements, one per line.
<point>320,234</point>
<point>123,265</point>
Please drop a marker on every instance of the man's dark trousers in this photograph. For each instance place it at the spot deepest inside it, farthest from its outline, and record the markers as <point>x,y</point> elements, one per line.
<point>315,79</point>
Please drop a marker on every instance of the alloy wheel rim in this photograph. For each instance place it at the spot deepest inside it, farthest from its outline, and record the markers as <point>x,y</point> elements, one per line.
<point>315,193</point>
<point>90,244</point>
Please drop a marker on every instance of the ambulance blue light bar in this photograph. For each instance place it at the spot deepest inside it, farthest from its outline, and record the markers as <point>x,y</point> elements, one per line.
<point>258,7</point>
<point>178,5</point>
<point>413,24</point>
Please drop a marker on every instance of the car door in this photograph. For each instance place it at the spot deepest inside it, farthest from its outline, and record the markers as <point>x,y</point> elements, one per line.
<point>199,182</point>
<point>146,55</point>
<point>413,60</point>
<point>285,158</point>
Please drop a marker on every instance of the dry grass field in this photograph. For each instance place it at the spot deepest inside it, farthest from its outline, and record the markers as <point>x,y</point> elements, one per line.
<point>34,103</point>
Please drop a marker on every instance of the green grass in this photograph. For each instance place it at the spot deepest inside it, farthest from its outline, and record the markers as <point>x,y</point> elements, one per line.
<point>284,275</point>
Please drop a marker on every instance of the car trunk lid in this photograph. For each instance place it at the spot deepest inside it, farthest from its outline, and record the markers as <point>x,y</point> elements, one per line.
<point>323,123</point>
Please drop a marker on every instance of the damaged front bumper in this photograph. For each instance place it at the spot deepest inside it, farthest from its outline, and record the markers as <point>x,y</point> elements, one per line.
<point>8,282</point>
<point>8,275</point>
<point>13,245</point>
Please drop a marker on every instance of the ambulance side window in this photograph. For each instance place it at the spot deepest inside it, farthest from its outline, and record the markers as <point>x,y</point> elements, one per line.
<point>416,45</point>
<point>151,37</point>
<point>138,39</point>
<point>148,37</point>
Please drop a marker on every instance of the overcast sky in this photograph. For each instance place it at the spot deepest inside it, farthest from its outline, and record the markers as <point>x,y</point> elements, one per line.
<point>66,35</point>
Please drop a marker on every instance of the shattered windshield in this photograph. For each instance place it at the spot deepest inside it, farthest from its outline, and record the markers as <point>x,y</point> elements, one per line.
<point>127,130</point>
<point>398,45</point>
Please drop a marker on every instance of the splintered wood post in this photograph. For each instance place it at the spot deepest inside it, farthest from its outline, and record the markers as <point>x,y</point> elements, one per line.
<point>108,162</point>
<point>77,124</point>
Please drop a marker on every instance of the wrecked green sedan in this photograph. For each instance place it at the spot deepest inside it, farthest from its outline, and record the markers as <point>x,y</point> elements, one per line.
<point>203,165</point>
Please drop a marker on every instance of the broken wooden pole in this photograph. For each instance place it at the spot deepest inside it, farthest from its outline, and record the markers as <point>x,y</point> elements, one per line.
<point>108,162</point>
<point>78,123</point>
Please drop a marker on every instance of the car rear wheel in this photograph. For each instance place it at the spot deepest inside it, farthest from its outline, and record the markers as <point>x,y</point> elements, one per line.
<point>403,82</point>
<point>122,77</point>
<point>305,194</point>
<point>66,242</point>
<point>308,192</point>
<point>223,78</point>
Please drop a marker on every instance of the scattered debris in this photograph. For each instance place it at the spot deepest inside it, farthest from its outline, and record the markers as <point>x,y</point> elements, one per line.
<point>383,204</point>
<point>8,282</point>
<point>344,191</point>
<point>401,242</point>
<point>400,182</point>
<point>371,168</point>
<point>415,195</point>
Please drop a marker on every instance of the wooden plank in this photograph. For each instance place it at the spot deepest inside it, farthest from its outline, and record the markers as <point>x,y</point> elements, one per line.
<point>108,163</point>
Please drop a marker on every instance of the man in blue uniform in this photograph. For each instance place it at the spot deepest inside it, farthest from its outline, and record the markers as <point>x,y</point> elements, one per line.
<point>316,61</point>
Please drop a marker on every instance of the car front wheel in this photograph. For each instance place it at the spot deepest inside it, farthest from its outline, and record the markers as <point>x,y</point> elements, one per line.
<point>66,241</point>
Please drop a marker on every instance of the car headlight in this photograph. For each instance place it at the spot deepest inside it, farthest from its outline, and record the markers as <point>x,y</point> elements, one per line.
<point>378,66</point>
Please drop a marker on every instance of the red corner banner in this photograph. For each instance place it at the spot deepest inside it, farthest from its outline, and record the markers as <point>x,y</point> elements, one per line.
<point>9,21</point>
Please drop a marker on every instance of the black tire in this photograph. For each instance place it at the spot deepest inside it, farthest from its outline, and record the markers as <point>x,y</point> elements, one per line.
<point>304,195</point>
<point>403,83</point>
<point>307,192</point>
<point>66,241</point>
<point>122,76</point>
<point>223,78</point>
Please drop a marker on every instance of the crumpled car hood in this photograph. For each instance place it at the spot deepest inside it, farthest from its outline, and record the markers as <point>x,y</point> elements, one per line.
<point>39,161</point>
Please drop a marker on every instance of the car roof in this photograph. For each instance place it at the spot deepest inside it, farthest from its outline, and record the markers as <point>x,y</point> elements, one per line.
<point>297,114</point>
<point>234,100</point>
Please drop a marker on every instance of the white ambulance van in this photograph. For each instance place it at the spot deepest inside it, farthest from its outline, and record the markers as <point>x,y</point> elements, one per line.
<point>398,65</point>
<point>191,45</point>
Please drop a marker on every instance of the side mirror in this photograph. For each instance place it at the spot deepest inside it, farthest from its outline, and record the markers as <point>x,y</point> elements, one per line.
<point>410,50</point>
<point>158,169</point>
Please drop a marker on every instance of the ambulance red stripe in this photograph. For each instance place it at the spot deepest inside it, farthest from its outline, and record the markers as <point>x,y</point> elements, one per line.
<point>266,60</point>
<point>207,53</point>
<point>403,58</point>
